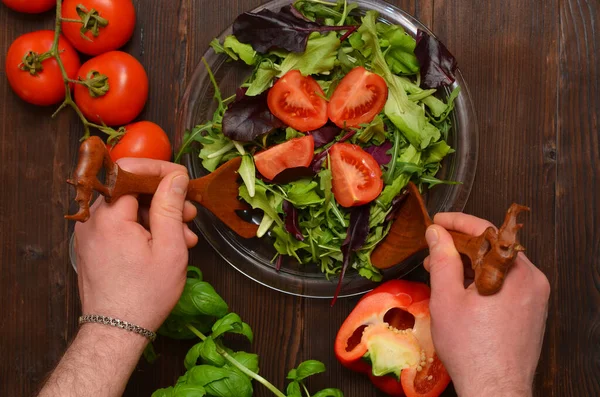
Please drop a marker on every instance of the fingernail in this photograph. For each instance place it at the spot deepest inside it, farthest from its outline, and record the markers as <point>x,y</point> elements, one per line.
<point>432,236</point>
<point>179,184</point>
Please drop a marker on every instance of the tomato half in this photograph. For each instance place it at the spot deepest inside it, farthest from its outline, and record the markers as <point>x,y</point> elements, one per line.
<point>30,6</point>
<point>127,89</point>
<point>142,139</point>
<point>297,152</point>
<point>298,101</point>
<point>359,97</point>
<point>356,175</point>
<point>114,29</point>
<point>45,86</point>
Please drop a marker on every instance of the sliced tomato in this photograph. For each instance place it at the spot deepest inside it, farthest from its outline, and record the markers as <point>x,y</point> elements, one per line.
<point>359,97</point>
<point>298,101</point>
<point>297,152</point>
<point>356,175</point>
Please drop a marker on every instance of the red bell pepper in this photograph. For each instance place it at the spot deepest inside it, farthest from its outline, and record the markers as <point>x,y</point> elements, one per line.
<point>388,337</point>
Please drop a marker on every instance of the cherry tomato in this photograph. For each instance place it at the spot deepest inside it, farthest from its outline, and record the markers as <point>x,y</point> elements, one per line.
<point>356,175</point>
<point>45,86</point>
<point>298,101</point>
<point>359,97</point>
<point>142,139</point>
<point>127,89</point>
<point>297,152</point>
<point>30,6</point>
<point>114,25</point>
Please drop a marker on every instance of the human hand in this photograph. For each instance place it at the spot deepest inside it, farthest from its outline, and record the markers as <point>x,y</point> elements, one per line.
<point>490,345</point>
<point>136,271</point>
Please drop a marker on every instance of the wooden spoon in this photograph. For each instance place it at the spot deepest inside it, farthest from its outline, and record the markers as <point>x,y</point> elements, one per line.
<point>491,254</point>
<point>217,191</point>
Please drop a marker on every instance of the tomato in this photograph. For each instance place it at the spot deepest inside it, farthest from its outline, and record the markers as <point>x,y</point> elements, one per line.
<point>359,97</point>
<point>46,86</point>
<point>297,152</point>
<point>356,175</point>
<point>30,6</point>
<point>127,89</point>
<point>142,139</point>
<point>118,29</point>
<point>298,101</point>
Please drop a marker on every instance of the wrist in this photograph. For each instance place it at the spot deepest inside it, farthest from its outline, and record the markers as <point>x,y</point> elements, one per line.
<point>496,390</point>
<point>119,340</point>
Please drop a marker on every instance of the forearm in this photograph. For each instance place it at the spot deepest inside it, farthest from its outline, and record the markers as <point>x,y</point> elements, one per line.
<point>98,363</point>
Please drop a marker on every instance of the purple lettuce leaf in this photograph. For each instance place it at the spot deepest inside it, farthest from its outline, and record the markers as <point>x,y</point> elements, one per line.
<point>355,239</point>
<point>267,30</point>
<point>437,64</point>
<point>397,203</point>
<point>380,153</point>
<point>291,220</point>
<point>293,174</point>
<point>249,118</point>
<point>325,134</point>
<point>317,162</point>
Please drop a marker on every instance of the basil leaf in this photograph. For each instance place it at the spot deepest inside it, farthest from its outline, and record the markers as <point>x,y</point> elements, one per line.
<point>232,323</point>
<point>189,390</point>
<point>220,382</point>
<point>329,393</point>
<point>306,369</point>
<point>200,298</point>
<point>248,360</point>
<point>293,390</point>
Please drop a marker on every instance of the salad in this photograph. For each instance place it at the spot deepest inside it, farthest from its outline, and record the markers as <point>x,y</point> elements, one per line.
<point>340,112</point>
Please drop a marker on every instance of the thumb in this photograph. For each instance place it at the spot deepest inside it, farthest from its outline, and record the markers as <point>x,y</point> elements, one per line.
<point>166,211</point>
<point>445,265</point>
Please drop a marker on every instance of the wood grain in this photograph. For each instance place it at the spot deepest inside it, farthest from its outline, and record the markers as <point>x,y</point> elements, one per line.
<point>532,68</point>
<point>577,289</point>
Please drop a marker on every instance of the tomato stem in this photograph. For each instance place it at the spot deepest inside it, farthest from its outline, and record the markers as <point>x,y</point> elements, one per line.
<point>55,53</point>
<point>71,20</point>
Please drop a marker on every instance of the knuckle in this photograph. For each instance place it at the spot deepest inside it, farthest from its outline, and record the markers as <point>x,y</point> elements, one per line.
<point>543,285</point>
<point>169,210</point>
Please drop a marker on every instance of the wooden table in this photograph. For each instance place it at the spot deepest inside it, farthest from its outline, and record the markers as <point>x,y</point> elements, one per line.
<point>533,71</point>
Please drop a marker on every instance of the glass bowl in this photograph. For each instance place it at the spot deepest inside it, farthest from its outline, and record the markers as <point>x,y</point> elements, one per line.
<point>252,257</point>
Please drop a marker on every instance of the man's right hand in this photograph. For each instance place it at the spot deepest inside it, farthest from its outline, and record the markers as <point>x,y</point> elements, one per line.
<point>490,345</point>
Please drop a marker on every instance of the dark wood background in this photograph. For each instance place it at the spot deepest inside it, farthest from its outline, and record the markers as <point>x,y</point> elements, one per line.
<point>533,70</point>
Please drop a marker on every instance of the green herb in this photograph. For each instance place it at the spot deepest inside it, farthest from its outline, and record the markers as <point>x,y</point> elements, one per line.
<point>213,369</point>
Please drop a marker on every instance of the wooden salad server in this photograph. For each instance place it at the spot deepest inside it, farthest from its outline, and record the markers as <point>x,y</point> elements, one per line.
<point>217,191</point>
<point>491,254</point>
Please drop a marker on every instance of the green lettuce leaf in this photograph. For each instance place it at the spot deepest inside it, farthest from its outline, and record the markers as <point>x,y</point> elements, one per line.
<point>319,57</point>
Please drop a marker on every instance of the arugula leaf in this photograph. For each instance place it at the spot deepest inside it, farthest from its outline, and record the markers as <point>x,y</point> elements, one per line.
<point>231,322</point>
<point>405,114</point>
<point>409,155</point>
<point>235,49</point>
<point>212,153</point>
<point>435,153</point>
<point>268,30</point>
<point>260,201</point>
<point>248,173</point>
<point>303,192</point>
<point>220,382</point>
<point>306,369</point>
<point>319,57</point>
<point>263,77</point>
<point>285,244</point>
<point>375,131</point>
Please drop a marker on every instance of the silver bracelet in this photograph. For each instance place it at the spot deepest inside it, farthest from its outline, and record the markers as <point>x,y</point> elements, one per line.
<point>114,322</point>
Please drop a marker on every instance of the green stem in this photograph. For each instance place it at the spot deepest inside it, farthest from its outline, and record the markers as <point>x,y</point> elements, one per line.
<point>71,20</point>
<point>237,364</point>
<point>55,53</point>
<point>305,389</point>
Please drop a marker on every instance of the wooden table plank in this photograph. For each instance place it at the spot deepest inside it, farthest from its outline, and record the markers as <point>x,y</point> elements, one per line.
<point>577,289</point>
<point>508,52</point>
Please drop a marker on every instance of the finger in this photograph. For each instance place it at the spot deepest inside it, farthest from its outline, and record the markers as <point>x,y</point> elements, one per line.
<point>166,211</point>
<point>189,211</point>
<point>150,167</point>
<point>460,222</point>
<point>125,208</point>
<point>191,239</point>
<point>427,263</point>
<point>144,216</point>
<point>445,265</point>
